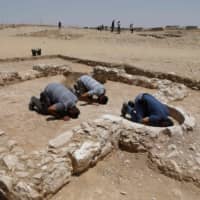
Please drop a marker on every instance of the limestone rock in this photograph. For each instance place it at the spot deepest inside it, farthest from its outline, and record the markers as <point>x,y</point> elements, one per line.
<point>168,90</point>
<point>1,132</point>
<point>6,183</point>
<point>85,156</point>
<point>61,139</point>
<point>49,69</point>
<point>56,179</point>
<point>25,192</point>
<point>11,144</point>
<point>9,77</point>
<point>11,161</point>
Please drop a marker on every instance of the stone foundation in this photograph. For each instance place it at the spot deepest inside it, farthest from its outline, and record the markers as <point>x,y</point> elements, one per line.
<point>40,174</point>
<point>38,71</point>
<point>167,90</point>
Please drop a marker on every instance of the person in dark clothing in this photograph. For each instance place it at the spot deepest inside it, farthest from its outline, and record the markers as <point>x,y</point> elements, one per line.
<point>118,27</point>
<point>86,88</point>
<point>59,24</point>
<point>146,109</point>
<point>131,28</point>
<point>56,100</point>
<point>112,26</point>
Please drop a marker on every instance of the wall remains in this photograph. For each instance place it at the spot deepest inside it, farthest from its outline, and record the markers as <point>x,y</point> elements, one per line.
<point>40,174</point>
<point>167,90</point>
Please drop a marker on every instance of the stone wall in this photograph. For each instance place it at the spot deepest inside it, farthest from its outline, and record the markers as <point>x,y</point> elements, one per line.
<point>40,174</point>
<point>9,77</point>
<point>130,69</point>
<point>38,71</point>
<point>167,90</point>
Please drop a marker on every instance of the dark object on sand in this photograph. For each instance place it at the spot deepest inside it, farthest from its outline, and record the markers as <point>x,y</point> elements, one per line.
<point>59,24</point>
<point>36,52</point>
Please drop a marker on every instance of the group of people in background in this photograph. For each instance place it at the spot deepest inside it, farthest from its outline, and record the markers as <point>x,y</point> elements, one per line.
<point>60,102</point>
<point>115,27</point>
<point>112,28</point>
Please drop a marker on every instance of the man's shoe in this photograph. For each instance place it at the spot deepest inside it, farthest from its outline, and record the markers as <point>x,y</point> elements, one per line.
<point>75,87</point>
<point>31,106</point>
<point>124,109</point>
<point>131,104</point>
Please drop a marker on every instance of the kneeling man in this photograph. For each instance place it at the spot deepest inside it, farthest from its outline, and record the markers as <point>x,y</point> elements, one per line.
<point>56,100</point>
<point>147,110</point>
<point>87,87</point>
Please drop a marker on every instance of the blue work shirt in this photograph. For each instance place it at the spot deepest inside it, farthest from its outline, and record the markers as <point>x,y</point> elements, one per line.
<point>61,96</point>
<point>94,87</point>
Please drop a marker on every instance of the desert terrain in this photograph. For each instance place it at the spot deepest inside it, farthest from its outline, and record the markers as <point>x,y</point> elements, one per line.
<point>121,175</point>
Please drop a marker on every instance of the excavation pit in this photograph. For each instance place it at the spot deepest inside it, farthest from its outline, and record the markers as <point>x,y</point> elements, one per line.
<point>33,132</point>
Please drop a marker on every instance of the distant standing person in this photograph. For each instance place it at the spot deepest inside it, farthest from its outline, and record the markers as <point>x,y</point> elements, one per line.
<point>59,25</point>
<point>118,27</point>
<point>131,28</point>
<point>113,25</point>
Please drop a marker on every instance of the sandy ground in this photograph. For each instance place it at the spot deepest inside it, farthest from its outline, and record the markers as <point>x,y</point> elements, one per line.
<point>170,54</point>
<point>125,176</point>
<point>121,175</point>
<point>33,131</point>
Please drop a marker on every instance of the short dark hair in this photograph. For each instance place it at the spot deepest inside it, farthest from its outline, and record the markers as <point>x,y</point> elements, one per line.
<point>103,99</point>
<point>73,112</point>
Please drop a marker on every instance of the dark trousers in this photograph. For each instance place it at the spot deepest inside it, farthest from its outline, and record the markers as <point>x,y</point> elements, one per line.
<point>41,104</point>
<point>80,88</point>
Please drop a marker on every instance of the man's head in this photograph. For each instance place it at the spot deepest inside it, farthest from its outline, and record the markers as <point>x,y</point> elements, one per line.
<point>131,104</point>
<point>73,112</point>
<point>102,99</point>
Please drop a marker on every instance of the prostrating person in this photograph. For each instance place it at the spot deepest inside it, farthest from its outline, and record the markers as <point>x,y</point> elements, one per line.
<point>56,100</point>
<point>146,109</point>
<point>90,90</point>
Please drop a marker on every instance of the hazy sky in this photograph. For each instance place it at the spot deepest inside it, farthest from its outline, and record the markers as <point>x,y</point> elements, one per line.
<point>95,12</point>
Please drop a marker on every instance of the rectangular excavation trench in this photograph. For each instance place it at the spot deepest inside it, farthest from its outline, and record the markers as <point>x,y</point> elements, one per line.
<point>33,131</point>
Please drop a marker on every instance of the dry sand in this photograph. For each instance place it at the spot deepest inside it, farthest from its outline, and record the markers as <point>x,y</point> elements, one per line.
<point>121,175</point>
<point>170,54</point>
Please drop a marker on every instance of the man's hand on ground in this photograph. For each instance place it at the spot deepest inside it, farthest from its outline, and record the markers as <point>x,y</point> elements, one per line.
<point>145,120</point>
<point>66,118</point>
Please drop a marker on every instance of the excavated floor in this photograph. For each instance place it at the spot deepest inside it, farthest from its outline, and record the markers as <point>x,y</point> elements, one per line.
<point>33,131</point>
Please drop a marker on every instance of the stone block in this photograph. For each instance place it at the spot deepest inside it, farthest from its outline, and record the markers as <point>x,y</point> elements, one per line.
<point>56,178</point>
<point>10,161</point>
<point>85,156</point>
<point>24,191</point>
<point>61,139</point>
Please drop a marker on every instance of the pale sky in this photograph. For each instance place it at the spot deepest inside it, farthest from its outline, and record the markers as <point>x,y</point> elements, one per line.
<point>96,12</point>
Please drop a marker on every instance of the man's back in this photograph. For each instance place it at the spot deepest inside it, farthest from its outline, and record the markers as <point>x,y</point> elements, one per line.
<point>89,82</point>
<point>59,93</point>
<point>154,107</point>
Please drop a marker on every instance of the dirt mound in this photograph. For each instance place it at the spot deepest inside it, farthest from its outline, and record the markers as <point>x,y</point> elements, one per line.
<point>57,34</point>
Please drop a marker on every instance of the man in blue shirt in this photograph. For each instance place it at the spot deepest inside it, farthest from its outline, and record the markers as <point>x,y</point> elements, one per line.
<point>87,87</point>
<point>147,110</point>
<point>56,100</point>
